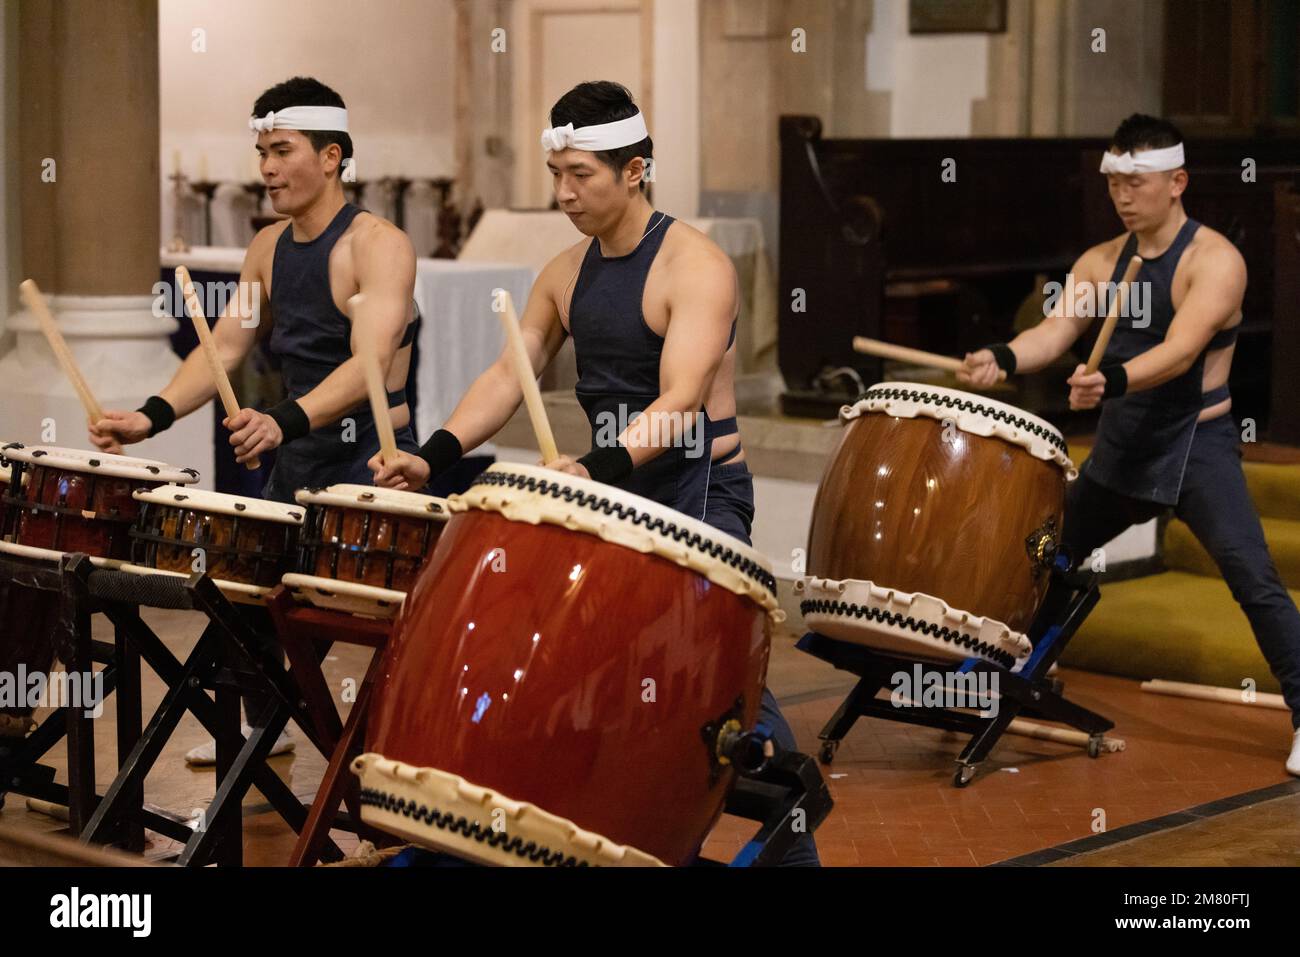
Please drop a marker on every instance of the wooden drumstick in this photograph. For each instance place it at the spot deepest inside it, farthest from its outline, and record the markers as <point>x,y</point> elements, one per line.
<point>374,385</point>
<point>528,381</point>
<point>1112,317</point>
<point>35,301</point>
<point>209,347</point>
<point>887,350</point>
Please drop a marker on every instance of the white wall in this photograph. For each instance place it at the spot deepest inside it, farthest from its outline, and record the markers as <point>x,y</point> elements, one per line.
<point>392,61</point>
<point>933,78</point>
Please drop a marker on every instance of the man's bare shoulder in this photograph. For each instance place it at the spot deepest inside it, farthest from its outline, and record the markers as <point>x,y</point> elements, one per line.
<point>557,273</point>
<point>1213,251</point>
<point>1098,261</point>
<point>686,247</point>
<point>261,251</point>
<point>370,231</point>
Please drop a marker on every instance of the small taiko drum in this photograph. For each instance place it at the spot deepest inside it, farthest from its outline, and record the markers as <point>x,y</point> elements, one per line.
<point>362,546</point>
<point>69,500</point>
<point>244,544</point>
<point>567,679</point>
<point>7,510</point>
<point>935,525</point>
<point>28,618</point>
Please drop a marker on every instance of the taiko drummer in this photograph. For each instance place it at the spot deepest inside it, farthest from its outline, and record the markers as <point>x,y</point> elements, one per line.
<point>1165,438</point>
<point>651,305</point>
<point>307,267</point>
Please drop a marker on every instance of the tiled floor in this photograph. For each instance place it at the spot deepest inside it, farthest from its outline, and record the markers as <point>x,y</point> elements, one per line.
<point>894,801</point>
<point>1266,834</point>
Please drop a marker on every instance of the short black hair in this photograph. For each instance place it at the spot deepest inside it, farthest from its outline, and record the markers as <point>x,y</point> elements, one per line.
<point>306,91</point>
<point>1142,132</point>
<point>602,101</point>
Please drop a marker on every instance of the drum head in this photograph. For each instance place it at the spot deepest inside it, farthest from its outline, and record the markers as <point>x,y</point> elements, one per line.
<point>373,498</point>
<point>219,503</point>
<point>370,601</point>
<point>534,494</point>
<point>976,414</point>
<point>99,463</point>
<point>52,556</point>
<point>905,623</point>
<point>391,790</point>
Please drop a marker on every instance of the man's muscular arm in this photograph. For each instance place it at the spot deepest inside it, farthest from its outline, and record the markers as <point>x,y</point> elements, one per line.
<point>494,396</point>
<point>702,303</point>
<point>1042,345</point>
<point>384,262</point>
<point>1215,290</point>
<point>235,333</point>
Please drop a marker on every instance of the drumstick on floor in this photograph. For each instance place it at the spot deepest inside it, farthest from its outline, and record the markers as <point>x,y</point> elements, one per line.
<point>887,350</point>
<point>1112,317</point>
<point>374,384</point>
<point>35,301</point>
<point>528,381</point>
<point>1182,689</point>
<point>209,347</point>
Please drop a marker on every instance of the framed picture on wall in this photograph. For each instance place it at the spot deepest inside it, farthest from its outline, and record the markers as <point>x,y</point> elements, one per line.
<point>957,16</point>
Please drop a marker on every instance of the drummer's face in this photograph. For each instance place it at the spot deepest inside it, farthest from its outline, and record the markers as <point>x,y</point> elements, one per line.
<point>587,190</point>
<point>291,169</point>
<point>1144,200</point>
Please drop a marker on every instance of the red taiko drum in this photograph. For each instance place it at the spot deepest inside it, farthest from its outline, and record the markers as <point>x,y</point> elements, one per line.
<point>362,546</point>
<point>564,676</point>
<point>935,525</point>
<point>70,500</point>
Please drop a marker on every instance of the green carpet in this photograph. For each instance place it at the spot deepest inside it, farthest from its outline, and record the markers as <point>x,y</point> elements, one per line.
<point>1183,624</point>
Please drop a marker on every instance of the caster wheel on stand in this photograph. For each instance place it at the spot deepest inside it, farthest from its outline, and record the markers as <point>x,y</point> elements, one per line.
<point>963,775</point>
<point>827,753</point>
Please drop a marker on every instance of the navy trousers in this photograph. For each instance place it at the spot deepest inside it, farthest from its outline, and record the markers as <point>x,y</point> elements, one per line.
<point>1216,505</point>
<point>730,508</point>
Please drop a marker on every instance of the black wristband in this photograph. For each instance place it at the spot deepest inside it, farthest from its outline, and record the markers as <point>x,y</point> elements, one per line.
<point>1116,381</point>
<point>1004,356</point>
<point>291,419</point>
<point>160,414</point>
<point>608,465</point>
<point>442,451</point>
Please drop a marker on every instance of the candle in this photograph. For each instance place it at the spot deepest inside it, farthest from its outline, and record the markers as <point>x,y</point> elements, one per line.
<point>203,167</point>
<point>176,162</point>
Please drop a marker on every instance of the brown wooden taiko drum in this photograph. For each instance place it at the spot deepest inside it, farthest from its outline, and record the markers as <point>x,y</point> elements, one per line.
<point>935,525</point>
<point>363,547</point>
<point>70,500</point>
<point>28,618</point>
<point>8,510</point>
<point>245,544</point>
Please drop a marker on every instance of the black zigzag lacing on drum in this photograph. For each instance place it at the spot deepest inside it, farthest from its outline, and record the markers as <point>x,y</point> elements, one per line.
<point>965,405</point>
<point>598,503</point>
<point>457,824</point>
<point>843,609</point>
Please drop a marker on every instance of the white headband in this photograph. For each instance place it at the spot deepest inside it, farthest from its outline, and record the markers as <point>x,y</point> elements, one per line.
<point>1148,161</point>
<point>329,118</point>
<point>604,136</point>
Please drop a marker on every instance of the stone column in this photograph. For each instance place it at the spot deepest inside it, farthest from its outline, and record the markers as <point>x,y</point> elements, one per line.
<point>484,158</point>
<point>87,169</point>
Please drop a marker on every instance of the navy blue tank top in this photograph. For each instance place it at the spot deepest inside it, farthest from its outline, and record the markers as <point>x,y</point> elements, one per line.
<point>618,369</point>
<point>310,338</point>
<point>1143,438</point>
